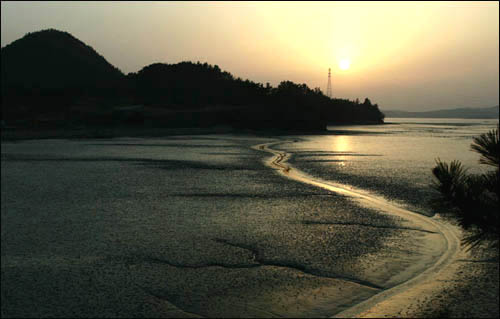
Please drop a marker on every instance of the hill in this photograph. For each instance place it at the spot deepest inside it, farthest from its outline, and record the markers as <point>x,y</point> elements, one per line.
<point>200,87</point>
<point>193,85</point>
<point>51,76</point>
<point>52,59</point>
<point>463,113</point>
<point>45,71</point>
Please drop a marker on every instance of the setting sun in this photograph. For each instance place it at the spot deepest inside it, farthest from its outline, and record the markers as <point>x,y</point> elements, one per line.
<point>221,144</point>
<point>344,64</point>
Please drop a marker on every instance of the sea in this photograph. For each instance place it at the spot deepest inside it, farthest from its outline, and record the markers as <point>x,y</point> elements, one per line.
<point>177,226</point>
<point>395,159</point>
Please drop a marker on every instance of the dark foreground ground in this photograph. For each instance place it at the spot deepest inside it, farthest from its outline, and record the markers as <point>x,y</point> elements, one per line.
<point>185,226</point>
<point>182,225</point>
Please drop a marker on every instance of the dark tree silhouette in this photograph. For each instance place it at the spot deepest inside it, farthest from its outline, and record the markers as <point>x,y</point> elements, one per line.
<point>51,73</point>
<point>472,199</point>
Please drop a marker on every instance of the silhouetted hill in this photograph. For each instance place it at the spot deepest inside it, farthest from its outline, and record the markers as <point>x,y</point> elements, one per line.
<point>462,113</point>
<point>192,85</point>
<point>45,72</point>
<point>54,59</point>
<point>51,77</point>
<point>196,86</point>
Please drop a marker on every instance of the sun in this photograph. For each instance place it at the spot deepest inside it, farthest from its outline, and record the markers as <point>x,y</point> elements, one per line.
<point>344,64</point>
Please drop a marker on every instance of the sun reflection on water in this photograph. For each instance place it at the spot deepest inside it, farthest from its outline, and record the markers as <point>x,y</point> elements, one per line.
<point>341,144</point>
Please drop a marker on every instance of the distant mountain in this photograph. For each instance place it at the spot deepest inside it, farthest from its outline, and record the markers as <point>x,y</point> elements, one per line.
<point>51,59</point>
<point>462,113</point>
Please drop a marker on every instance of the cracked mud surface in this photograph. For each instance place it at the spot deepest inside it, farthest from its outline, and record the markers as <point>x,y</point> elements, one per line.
<point>185,226</point>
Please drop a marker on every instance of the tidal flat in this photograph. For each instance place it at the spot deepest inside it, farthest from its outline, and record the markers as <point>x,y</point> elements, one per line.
<point>187,226</point>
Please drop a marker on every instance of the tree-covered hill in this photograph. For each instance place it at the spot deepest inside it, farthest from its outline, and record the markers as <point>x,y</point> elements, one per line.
<point>51,59</point>
<point>192,85</point>
<point>44,71</point>
<point>52,75</point>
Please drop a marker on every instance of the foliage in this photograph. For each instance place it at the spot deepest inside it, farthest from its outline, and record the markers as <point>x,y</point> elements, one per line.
<point>487,145</point>
<point>51,59</point>
<point>51,71</point>
<point>44,72</point>
<point>470,198</point>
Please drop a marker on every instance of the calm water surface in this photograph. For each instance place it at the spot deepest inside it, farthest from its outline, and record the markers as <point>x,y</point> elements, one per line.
<point>394,159</point>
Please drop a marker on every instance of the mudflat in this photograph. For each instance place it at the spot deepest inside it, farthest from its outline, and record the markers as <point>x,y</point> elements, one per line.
<point>188,226</point>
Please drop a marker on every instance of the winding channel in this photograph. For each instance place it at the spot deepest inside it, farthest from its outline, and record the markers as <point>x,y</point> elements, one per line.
<point>370,200</point>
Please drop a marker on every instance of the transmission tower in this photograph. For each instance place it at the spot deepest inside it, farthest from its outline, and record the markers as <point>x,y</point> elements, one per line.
<point>329,85</point>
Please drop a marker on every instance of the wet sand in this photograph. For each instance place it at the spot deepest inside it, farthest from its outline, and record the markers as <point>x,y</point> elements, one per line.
<point>465,285</point>
<point>467,289</point>
<point>423,270</point>
<point>188,226</point>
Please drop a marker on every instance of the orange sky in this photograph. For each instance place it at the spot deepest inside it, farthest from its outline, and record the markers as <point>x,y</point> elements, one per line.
<point>408,55</point>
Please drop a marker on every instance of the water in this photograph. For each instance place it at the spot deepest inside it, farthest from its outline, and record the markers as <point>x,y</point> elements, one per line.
<point>199,224</point>
<point>395,159</point>
<point>180,224</point>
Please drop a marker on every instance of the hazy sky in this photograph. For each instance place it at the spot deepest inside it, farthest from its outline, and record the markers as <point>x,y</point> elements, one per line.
<point>408,55</point>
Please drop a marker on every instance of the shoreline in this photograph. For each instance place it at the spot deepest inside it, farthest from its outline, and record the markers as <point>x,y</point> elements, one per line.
<point>274,254</point>
<point>402,298</point>
<point>238,244</point>
<point>19,134</point>
<point>9,135</point>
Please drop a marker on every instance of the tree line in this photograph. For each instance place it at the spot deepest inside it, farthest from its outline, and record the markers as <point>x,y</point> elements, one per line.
<point>49,72</point>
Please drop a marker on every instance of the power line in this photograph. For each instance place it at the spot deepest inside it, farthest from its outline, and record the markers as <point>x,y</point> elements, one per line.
<point>329,85</point>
